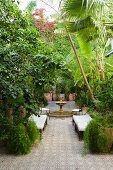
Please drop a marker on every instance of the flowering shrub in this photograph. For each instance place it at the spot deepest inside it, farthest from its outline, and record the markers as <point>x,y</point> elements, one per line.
<point>42,22</point>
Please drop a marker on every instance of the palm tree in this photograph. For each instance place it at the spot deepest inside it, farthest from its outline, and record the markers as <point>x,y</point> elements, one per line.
<point>86,19</point>
<point>76,13</point>
<point>89,19</point>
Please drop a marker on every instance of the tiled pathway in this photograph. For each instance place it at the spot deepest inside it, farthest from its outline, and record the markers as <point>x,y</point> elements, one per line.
<point>59,150</point>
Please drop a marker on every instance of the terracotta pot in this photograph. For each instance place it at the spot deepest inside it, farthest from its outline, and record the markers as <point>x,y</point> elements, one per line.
<point>71,97</point>
<point>54,97</point>
<point>48,96</point>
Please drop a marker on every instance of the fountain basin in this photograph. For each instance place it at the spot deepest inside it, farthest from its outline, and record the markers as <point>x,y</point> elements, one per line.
<point>61,103</point>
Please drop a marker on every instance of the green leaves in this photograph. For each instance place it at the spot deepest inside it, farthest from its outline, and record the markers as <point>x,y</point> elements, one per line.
<point>74,8</point>
<point>27,62</point>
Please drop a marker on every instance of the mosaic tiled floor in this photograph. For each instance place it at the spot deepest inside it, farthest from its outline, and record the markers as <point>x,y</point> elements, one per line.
<point>60,149</point>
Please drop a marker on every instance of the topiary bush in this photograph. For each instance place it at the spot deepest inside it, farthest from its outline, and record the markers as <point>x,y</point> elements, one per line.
<point>32,131</point>
<point>91,136</point>
<point>97,137</point>
<point>104,141</point>
<point>19,142</point>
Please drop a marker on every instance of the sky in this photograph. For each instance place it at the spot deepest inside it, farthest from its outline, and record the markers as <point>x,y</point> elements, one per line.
<point>40,4</point>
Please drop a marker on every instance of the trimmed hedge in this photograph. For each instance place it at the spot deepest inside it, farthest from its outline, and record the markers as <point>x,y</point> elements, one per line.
<point>19,142</point>
<point>32,131</point>
<point>91,136</point>
<point>98,138</point>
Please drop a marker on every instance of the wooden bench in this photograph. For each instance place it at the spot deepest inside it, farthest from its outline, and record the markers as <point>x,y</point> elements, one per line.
<point>80,122</point>
<point>41,121</point>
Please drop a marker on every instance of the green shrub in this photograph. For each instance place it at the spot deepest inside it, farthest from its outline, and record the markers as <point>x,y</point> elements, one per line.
<point>4,128</point>
<point>108,120</point>
<point>32,131</point>
<point>84,99</point>
<point>91,136</point>
<point>104,94</point>
<point>97,137</point>
<point>104,141</point>
<point>93,113</point>
<point>19,142</point>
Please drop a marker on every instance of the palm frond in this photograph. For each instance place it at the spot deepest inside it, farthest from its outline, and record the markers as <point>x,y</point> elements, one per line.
<point>80,24</point>
<point>85,46</point>
<point>82,8</point>
<point>73,8</point>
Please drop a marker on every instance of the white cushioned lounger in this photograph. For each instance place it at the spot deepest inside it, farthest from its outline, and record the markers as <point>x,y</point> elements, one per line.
<point>40,121</point>
<point>81,122</point>
<point>44,111</point>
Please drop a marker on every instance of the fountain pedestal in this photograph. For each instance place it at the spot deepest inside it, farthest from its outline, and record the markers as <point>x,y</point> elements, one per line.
<point>61,103</point>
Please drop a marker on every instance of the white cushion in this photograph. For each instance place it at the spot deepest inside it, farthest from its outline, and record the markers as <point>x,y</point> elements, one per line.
<point>44,110</point>
<point>40,121</point>
<point>76,110</point>
<point>82,121</point>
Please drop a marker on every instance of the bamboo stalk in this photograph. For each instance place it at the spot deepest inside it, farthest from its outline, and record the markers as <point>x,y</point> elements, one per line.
<point>81,67</point>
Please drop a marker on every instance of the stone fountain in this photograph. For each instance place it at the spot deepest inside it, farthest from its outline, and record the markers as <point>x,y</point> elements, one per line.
<point>61,112</point>
<point>61,103</point>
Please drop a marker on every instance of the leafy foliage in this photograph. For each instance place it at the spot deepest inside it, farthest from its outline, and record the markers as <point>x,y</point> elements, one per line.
<point>27,65</point>
<point>91,136</point>
<point>98,137</point>
<point>69,8</point>
<point>32,131</point>
<point>89,20</point>
<point>19,142</point>
<point>104,94</point>
<point>4,128</point>
<point>104,141</point>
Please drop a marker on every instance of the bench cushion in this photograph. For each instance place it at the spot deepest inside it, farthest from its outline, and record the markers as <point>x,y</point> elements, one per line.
<point>76,110</point>
<point>40,121</point>
<point>81,121</point>
<point>44,111</point>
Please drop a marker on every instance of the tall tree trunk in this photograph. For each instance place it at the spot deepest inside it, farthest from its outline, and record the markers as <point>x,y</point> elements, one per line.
<point>100,67</point>
<point>81,67</point>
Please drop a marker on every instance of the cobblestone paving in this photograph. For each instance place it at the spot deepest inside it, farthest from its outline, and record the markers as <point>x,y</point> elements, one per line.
<point>60,149</point>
